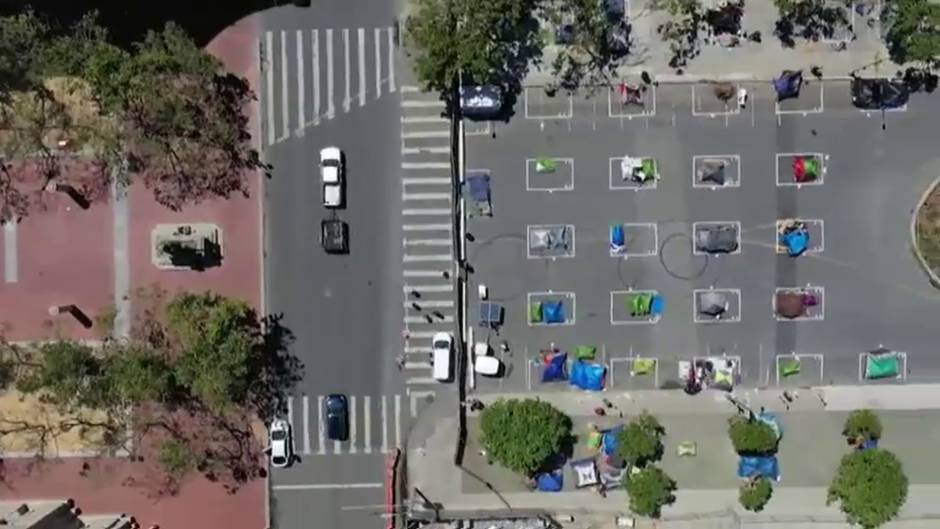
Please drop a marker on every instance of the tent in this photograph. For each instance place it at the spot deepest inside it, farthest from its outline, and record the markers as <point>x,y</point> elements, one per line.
<point>553,312</point>
<point>550,481</point>
<point>641,305</point>
<point>555,367</point>
<point>717,239</point>
<point>788,84</point>
<point>764,466</point>
<point>588,375</point>
<point>585,472</point>
<point>611,441</point>
<point>643,366</point>
<point>585,352</point>
<point>547,239</point>
<point>793,304</point>
<point>545,165</point>
<point>794,237</point>
<point>877,94</point>
<point>882,363</point>
<point>805,169</point>
<point>617,239</point>
<point>638,169</point>
<point>713,171</point>
<point>713,304</point>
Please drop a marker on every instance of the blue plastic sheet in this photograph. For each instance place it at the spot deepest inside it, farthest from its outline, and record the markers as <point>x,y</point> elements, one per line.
<point>765,466</point>
<point>770,419</point>
<point>556,368</point>
<point>617,239</point>
<point>796,242</point>
<point>550,481</point>
<point>788,84</point>
<point>553,312</point>
<point>610,440</point>
<point>588,376</point>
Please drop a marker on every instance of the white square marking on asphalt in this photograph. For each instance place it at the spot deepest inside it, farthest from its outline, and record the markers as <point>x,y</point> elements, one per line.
<point>615,176</point>
<point>809,289</point>
<point>731,107</point>
<point>530,164</point>
<point>821,158</point>
<point>736,159</point>
<point>646,112</point>
<point>644,320</point>
<point>697,317</point>
<point>568,299</point>
<point>695,226</point>
<point>306,405</point>
<point>321,431</point>
<point>902,375</point>
<point>570,229</point>
<point>820,359</point>
<point>804,112</point>
<point>564,114</point>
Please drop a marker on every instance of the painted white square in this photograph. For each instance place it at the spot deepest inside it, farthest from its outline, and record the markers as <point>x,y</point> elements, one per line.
<point>784,182</point>
<point>617,183</point>
<point>734,157</point>
<point>615,109</point>
<point>731,109</point>
<point>569,254</point>
<point>699,318</point>
<point>626,369</point>
<point>809,288</point>
<point>570,299</point>
<point>653,318</point>
<point>814,247</point>
<point>627,226</point>
<point>805,111</point>
<point>818,358</point>
<point>530,101</point>
<point>863,357</point>
<point>531,174</point>
<point>736,359</point>
<point>695,226</point>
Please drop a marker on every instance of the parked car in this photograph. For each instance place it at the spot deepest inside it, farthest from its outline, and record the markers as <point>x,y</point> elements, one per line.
<point>334,236</point>
<point>332,177</point>
<point>442,347</point>
<point>337,417</point>
<point>282,444</point>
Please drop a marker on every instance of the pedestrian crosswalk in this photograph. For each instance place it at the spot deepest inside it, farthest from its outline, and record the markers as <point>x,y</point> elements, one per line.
<point>428,229</point>
<point>310,73</point>
<point>377,423</point>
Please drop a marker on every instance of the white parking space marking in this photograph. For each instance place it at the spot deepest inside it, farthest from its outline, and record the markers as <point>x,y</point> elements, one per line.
<point>377,36</point>
<point>285,108</point>
<point>367,423</point>
<point>384,425</point>
<point>391,60</point>
<point>361,34</point>
<point>352,425</point>
<point>348,98</point>
<point>315,52</point>
<point>306,407</point>
<point>397,421</point>
<point>269,84</point>
<point>301,91</point>
<point>321,433</point>
<point>330,109</point>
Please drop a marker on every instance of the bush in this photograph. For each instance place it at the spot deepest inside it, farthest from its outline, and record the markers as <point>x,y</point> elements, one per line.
<point>649,490</point>
<point>640,442</point>
<point>870,486</point>
<point>862,425</point>
<point>523,435</point>
<point>755,494</point>
<point>753,438</point>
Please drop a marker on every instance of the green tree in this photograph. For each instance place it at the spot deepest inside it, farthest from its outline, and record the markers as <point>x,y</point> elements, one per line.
<point>523,435</point>
<point>489,42</point>
<point>640,442</point>
<point>138,375</point>
<point>862,425</point>
<point>754,494</point>
<point>751,437</point>
<point>870,486</point>
<point>650,489</point>
<point>176,459</point>
<point>913,31</point>
<point>597,43</point>
<point>66,374</point>
<point>218,339</point>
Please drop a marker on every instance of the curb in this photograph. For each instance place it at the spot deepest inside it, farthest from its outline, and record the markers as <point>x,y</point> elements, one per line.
<point>931,275</point>
<point>674,79</point>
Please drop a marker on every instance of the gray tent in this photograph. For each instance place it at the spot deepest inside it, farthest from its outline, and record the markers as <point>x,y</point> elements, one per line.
<point>717,239</point>
<point>712,171</point>
<point>548,239</point>
<point>713,304</point>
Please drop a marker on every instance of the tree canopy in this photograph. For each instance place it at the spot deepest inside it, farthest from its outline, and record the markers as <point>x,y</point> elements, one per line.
<point>862,424</point>
<point>913,31</point>
<point>751,437</point>
<point>523,435</point>
<point>596,42</point>
<point>650,489</point>
<point>755,494</point>
<point>640,442</point>
<point>870,486</point>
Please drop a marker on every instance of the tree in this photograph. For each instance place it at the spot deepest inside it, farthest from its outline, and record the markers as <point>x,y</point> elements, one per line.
<point>650,489</point>
<point>484,42</point>
<point>66,374</point>
<point>809,19</point>
<point>217,339</point>
<point>754,494</point>
<point>523,435</point>
<point>595,46</point>
<point>176,459</point>
<point>862,425</point>
<point>751,437</point>
<point>138,375</point>
<point>913,31</point>
<point>640,442</point>
<point>870,486</point>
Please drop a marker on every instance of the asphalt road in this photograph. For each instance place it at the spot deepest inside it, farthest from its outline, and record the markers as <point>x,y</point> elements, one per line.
<point>874,293</point>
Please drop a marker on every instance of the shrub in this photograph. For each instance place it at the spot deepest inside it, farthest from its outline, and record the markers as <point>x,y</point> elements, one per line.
<point>870,486</point>
<point>640,442</point>
<point>751,437</point>
<point>523,435</point>
<point>755,494</point>
<point>649,490</point>
<point>862,425</point>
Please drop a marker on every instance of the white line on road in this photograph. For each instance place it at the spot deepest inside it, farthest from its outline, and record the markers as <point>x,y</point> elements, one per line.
<point>420,381</point>
<point>290,411</point>
<point>426,134</point>
<point>329,486</point>
<point>422,334</point>
<point>423,273</point>
<point>425,196</point>
<point>425,119</point>
<point>425,165</point>
<point>398,421</point>
<point>431,304</point>
<point>269,83</point>
<point>306,402</point>
<point>352,425</point>
<point>426,181</point>
<point>384,425</point>
<point>285,108</point>
<point>321,438</point>
<point>411,320</point>
<point>422,103</point>
<point>410,89</point>
<point>418,365</point>
<point>377,36</point>
<point>391,61</point>
<point>427,227</point>
<point>422,289</point>
<point>417,349</point>
<point>419,258</point>
<point>417,212</point>
<point>425,150</point>
<point>426,242</point>
<point>315,44</point>
<point>301,92</point>
<point>330,109</point>
<point>362,66</point>
<point>367,422</point>
<point>347,99</point>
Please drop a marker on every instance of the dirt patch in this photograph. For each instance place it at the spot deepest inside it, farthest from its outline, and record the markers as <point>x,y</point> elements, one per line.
<point>927,230</point>
<point>31,427</point>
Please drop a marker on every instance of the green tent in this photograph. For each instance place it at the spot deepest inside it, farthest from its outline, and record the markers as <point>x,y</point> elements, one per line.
<point>545,165</point>
<point>644,366</point>
<point>535,312</point>
<point>640,305</point>
<point>649,169</point>
<point>790,367</point>
<point>885,365</point>
<point>585,352</point>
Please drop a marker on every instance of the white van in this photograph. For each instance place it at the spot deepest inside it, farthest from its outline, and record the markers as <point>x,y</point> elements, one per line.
<point>442,349</point>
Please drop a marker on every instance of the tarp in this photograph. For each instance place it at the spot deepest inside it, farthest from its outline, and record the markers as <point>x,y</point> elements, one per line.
<point>553,238</point>
<point>550,481</point>
<point>611,441</point>
<point>588,376</point>
<point>788,84</point>
<point>713,304</point>
<point>882,365</point>
<point>553,312</point>
<point>585,352</point>
<point>876,94</point>
<point>796,241</point>
<point>479,185</point>
<point>641,305</point>
<point>765,466</point>
<point>805,169</point>
<point>713,171</point>
<point>717,239</point>
<point>617,239</point>
<point>585,472</point>
<point>556,367</point>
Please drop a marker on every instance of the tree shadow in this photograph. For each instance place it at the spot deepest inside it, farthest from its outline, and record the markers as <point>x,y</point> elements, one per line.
<point>275,370</point>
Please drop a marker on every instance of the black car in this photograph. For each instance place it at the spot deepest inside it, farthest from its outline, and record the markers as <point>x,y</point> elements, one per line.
<point>337,417</point>
<point>481,102</point>
<point>334,236</point>
<point>877,94</point>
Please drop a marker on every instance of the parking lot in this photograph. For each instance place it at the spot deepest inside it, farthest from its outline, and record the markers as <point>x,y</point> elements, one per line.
<point>557,174</point>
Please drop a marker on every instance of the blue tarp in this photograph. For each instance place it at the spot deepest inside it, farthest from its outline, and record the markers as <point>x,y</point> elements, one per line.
<point>658,305</point>
<point>796,242</point>
<point>610,440</point>
<point>588,376</point>
<point>617,240</point>
<point>788,84</point>
<point>766,466</point>
<point>550,481</point>
<point>556,368</point>
<point>869,443</point>
<point>479,185</point>
<point>553,311</point>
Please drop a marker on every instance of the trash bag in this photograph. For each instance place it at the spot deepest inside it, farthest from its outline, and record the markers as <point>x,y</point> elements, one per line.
<point>550,481</point>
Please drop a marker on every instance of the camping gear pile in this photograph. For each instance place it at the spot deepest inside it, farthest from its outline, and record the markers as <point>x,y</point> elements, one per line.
<point>554,365</point>
<point>717,239</point>
<point>794,304</point>
<point>712,171</point>
<point>553,239</point>
<point>547,312</point>
<point>805,169</point>
<point>714,372</point>
<point>788,85</point>
<point>477,187</point>
<point>883,363</point>
<point>756,467</point>
<point>585,373</point>
<point>792,237</point>
<point>878,94</point>
<point>713,304</point>
<point>639,170</point>
<point>646,305</point>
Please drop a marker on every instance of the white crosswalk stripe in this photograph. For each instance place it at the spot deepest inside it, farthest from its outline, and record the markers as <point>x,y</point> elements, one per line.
<point>293,63</point>
<point>370,430</point>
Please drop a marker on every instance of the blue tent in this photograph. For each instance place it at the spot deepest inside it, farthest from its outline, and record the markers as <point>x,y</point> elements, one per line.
<point>553,311</point>
<point>765,466</point>
<point>479,185</point>
<point>796,242</point>
<point>788,84</point>
<point>556,368</point>
<point>617,239</point>
<point>588,376</point>
<point>610,440</point>
<point>550,481</point>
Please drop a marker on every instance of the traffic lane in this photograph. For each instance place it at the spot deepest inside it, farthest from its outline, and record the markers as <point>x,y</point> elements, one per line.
<point>332,13</point>
<point>334,508</point>
<point>329,470</point>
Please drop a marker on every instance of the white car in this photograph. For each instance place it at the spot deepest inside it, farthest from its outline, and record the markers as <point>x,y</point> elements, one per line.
<point>442,347</point>
<point>282,444</point>
<point>332,177</point>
